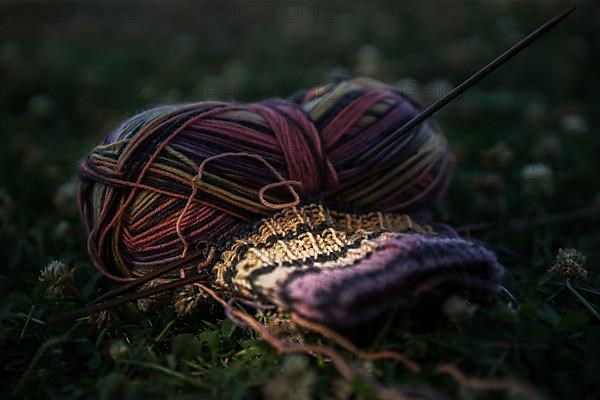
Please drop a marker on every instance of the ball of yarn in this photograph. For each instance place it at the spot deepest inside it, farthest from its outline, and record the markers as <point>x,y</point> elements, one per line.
<point>171,179</point>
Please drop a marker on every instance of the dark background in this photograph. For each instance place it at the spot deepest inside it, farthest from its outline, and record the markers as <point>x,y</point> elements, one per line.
<point>70,71</point>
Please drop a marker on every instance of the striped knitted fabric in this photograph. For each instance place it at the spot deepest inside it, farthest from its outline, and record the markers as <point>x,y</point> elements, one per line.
<point>343,269</point>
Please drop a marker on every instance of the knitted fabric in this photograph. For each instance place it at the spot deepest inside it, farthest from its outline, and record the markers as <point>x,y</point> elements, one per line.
<point>344,269</point>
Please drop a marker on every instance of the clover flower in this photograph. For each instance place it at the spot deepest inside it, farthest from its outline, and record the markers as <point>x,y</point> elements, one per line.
<point>59,278</point>
<point>188,300</point>
<point>569,264</point>
<point>537,178</point>
<point>294,381</point>
<point>118,350</point>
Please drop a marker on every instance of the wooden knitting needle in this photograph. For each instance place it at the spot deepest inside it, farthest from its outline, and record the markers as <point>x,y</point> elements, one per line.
<point>472,80</point>
<point>97,307</point>
<point>150,276</point>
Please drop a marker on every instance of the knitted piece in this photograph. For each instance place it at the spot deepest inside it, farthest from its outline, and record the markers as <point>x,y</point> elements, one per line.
<point>344,269</point>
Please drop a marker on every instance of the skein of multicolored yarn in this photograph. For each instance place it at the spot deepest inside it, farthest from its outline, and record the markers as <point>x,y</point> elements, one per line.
<point>144,207</point>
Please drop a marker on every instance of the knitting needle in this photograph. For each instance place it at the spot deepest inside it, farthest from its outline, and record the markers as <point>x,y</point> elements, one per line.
<point>147,277</point>
<point>472,80</point>
<point>97,307</point>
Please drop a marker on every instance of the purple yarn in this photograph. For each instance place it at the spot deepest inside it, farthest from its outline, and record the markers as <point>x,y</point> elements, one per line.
<point>400,270</point>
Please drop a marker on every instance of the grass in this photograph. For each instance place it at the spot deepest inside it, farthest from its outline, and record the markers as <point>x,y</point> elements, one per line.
<point>65,85</point>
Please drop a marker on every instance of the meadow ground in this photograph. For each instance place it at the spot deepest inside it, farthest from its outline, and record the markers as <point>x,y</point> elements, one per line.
<point>527,150</point>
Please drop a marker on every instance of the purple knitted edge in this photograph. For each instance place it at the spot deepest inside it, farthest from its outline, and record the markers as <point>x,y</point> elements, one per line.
<point>400,270</point>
